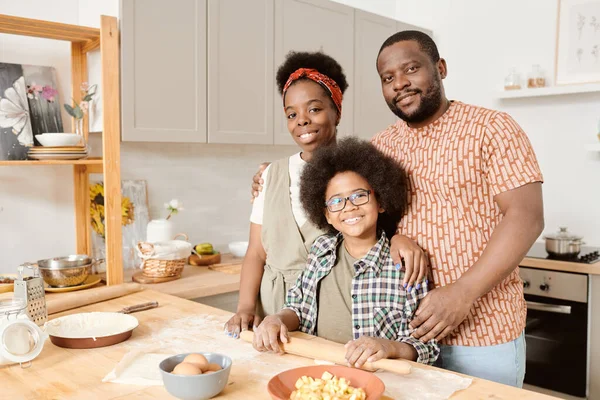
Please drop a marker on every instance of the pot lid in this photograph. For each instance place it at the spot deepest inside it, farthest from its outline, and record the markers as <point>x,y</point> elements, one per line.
<point>563,234</point>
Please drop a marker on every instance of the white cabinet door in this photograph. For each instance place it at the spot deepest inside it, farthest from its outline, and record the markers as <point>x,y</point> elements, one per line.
<point>163,70</point>
<point>240,71</point>
<point>371,113</point>
<point>311,25</point>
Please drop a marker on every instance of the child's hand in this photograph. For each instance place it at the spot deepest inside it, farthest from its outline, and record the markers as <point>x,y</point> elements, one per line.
<point>268,333</point>
<point>240,322</point>
<point>415,261</point>
<point>368,349</point>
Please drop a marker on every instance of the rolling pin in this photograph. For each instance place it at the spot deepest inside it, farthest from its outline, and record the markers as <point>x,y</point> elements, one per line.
<point>68,301</point>
<point>304,345</point>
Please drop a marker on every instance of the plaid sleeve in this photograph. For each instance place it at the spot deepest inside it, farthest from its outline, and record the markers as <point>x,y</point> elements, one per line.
<point>428,352</point>
<point>295,298</point>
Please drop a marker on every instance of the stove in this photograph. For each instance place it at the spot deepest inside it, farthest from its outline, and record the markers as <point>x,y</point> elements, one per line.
<point>588,255</point>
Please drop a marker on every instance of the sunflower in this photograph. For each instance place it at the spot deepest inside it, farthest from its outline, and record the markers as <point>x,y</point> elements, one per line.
<point>97,209</point>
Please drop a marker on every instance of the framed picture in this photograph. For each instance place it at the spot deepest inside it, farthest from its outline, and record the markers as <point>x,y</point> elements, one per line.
<point>29,106</point>
<point>578,42</point>
<point>134,219</point>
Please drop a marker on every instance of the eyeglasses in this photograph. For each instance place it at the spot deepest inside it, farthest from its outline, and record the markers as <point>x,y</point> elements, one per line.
<point>337,204</point>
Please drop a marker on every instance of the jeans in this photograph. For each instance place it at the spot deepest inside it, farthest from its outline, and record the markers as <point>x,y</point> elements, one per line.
<point>502,363</point>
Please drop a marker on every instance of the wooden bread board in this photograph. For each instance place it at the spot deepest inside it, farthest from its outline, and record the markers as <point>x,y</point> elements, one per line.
<point>232,269</point>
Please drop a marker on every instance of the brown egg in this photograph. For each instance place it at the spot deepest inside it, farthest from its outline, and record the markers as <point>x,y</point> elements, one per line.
<point>208,372</point>
<point>214,367</point>
<point>198,360</point>
<point>186,369</point>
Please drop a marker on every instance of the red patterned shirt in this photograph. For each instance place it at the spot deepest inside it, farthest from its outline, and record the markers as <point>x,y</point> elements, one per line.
<point>456,166</point>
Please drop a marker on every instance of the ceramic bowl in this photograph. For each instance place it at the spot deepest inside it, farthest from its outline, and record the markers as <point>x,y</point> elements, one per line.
<point>282,385</point>
<point>238,249</point>
<point>195,387</point>
<point>58,139</point>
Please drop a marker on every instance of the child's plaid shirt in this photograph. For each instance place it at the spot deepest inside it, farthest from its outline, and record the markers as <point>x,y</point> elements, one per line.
<point>381,307</point>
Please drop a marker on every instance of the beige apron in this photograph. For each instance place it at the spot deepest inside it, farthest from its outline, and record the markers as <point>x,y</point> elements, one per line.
<point>287,247</point>
<point>334,316</point>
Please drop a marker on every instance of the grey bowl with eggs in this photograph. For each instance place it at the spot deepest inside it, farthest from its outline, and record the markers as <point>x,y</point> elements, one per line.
<point>195,379</point>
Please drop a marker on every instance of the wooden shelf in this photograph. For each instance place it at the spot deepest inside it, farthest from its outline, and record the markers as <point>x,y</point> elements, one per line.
<point>86,161</point>
<point>84,39</point>
<point>593,147</point>
<point>48,29</point>
<point>550,91</point>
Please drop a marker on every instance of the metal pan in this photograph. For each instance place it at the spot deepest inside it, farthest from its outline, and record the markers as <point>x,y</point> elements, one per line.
<point>102,341</point>
<point>71,261</point>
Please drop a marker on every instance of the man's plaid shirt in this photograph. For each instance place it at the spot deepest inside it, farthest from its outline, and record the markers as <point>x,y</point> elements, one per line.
<point>381,307</point>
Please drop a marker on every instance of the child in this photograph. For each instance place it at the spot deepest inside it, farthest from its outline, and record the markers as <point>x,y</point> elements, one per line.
<point>350,291</point>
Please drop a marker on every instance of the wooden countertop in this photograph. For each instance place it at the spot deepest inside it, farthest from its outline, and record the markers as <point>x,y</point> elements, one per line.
<point>565,266</point>
<point>198,281</point>
<point>71,373</point>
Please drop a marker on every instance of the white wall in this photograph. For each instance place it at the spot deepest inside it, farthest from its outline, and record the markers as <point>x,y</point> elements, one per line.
<point>386,8</point>
<point>481,41</point>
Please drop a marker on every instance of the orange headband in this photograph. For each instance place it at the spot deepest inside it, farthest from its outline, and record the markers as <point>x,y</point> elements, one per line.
<point>323,80</point>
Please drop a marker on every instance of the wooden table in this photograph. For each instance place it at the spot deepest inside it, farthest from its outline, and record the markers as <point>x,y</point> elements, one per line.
<point>68,373</point>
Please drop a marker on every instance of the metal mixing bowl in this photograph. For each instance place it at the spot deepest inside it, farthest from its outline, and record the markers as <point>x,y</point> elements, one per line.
<point>66,271</point>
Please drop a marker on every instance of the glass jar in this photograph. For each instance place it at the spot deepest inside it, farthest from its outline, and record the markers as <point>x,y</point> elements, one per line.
<point>512,80</point>
<point>21,340</point>
<point>536,77</point>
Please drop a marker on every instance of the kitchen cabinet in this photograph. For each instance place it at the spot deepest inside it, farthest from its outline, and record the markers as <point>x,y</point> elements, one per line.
<point>311,25</point>
<point>204,70</point>
<point>164,70</point>
<point>371,113</point>
<point>240,71</point>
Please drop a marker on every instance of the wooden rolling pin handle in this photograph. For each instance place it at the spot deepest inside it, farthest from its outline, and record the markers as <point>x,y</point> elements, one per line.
<point>139,307</point>
<point>330,351</point>
<point>68,301</point>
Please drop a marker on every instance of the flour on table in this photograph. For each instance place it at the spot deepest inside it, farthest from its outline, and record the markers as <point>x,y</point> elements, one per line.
<point>204,333</point>
<point>422,384</point>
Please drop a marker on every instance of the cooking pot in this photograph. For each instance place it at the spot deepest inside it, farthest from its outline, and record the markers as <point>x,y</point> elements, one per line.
<point>66,271</point>
<point>563,244</point>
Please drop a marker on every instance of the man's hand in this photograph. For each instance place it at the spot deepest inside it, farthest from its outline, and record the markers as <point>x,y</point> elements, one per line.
<point>368,349</point>
<point>441,311</point>
<point>257,181</point>
<point>415,262</point>
<point>240,322</point>
<point>268,333</point>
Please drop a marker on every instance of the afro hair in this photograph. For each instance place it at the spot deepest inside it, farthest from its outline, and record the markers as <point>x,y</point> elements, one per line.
<point>384,174</point>
<point>315,60</point>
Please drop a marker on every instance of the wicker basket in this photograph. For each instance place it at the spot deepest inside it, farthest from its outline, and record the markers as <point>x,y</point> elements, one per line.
<point>160,265</point>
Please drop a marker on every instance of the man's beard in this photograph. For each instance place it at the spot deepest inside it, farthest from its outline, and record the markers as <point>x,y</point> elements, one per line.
<point>431,101</point>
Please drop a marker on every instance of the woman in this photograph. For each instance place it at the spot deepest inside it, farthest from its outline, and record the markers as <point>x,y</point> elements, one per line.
<point>312,87</point>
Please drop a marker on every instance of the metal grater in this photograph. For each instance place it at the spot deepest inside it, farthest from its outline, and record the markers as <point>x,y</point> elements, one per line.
<point>31,289</point>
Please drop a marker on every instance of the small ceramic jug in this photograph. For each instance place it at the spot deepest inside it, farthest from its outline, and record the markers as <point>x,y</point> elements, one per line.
<point>159,230</point>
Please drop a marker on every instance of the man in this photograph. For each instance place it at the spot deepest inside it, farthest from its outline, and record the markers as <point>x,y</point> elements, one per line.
<point>475,208</point>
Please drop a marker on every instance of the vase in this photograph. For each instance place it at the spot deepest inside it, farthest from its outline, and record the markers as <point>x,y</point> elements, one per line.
<point>159,230</point>
<point>79,130</point>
